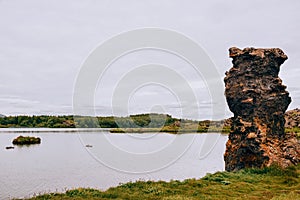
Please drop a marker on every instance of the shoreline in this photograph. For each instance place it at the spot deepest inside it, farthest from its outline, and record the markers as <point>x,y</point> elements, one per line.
<point>110,130</point>
<point>225,130</point>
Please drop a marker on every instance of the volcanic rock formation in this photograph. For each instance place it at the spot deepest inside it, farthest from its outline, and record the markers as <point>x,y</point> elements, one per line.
<point>292,118</point>
<point>256,96</point>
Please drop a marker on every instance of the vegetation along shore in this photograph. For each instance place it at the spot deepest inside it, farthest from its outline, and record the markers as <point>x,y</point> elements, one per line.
<point>140,123</point>
<point>268,183</point>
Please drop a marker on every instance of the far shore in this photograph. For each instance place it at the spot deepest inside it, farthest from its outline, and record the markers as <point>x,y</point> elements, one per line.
<point>110,130</point>
<point>138,123</point>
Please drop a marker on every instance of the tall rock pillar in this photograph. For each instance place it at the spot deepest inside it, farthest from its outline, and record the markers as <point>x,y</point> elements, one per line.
<point>256,96</point>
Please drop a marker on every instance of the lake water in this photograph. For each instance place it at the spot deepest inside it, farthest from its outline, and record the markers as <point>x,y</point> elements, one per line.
<point>63,161</point>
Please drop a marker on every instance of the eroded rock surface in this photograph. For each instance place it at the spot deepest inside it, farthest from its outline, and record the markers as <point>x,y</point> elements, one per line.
<point>256,96</point>
<point>292,118</point>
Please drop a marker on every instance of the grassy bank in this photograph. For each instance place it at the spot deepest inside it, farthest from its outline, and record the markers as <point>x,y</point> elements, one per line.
<point>167,129</point>
<point>269,183</point>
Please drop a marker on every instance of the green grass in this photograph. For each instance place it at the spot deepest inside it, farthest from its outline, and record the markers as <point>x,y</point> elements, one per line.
<point>292,130</point>
<point>295,130</point>
<point>269,183</point>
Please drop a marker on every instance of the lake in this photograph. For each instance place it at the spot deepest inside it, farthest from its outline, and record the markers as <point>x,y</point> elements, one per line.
<point>69,159</point>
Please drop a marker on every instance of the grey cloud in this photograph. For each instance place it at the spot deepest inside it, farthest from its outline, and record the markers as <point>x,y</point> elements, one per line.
<point>43,44</point>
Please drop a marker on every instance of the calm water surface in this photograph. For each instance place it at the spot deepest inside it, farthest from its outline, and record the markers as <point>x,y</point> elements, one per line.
<point>62,161</point>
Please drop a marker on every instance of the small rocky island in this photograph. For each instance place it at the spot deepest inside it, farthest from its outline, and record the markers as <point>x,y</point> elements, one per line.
<point>256,96</point>
<point>26,140</point>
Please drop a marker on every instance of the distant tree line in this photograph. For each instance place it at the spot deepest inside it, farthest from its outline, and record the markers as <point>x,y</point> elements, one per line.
<point>162,122</point>
<point>37,121</point>
<point>70,121</point>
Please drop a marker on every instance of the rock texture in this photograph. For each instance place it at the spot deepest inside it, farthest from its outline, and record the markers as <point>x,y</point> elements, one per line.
<point>292,118</point>
<point>256,96</point>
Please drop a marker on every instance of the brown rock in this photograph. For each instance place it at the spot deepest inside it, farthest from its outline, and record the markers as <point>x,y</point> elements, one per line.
<point>256,96</point>
<point>292,118</point>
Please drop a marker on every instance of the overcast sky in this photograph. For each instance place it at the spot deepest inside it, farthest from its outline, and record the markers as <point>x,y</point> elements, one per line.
<point>43,44</point>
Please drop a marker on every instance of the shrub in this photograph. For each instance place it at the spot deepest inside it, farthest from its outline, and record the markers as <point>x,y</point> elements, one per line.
<point>21,140</point>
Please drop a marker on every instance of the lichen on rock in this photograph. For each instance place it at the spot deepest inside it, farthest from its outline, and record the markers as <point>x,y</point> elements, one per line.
<point>258,99</point>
